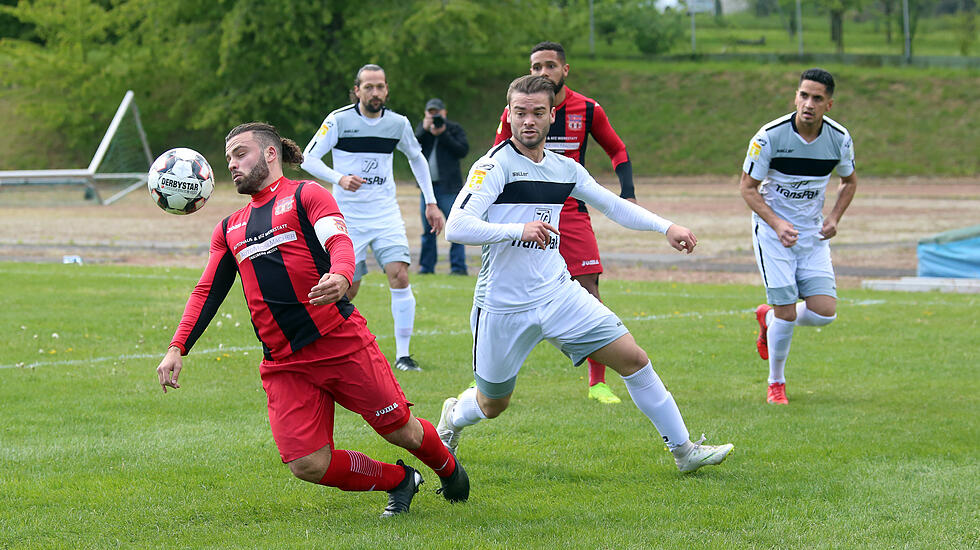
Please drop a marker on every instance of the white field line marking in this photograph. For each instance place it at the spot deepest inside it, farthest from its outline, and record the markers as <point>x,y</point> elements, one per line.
<point>434,332</point>
<point>124,357</point>
<point>165,275</point>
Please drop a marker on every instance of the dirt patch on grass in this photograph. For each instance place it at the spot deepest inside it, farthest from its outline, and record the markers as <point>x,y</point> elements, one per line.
<point>877,236</point>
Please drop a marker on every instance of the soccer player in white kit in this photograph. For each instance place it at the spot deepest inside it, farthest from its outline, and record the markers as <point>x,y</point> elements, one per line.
<point>362,137</point>
<point>510,205</point>
<point>784,179</point>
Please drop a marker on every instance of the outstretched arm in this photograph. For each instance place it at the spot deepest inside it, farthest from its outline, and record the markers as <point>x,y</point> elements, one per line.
<point>210,291</point>
<point>631,215</point>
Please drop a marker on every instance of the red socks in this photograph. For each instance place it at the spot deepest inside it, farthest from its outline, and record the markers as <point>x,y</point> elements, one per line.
<point>433,453</point>
<point>354,471</point>
<point>597,372</point>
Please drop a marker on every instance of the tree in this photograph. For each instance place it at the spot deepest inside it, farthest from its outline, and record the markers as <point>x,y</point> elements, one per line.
<point>837,10</point>
<point>199,68</point>
<point>652,32</point>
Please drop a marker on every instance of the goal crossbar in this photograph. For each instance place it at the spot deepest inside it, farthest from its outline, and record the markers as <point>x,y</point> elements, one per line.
<point>89,176</point>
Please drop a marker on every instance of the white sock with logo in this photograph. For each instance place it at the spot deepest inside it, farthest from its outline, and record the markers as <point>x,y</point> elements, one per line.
<point>780,336</point>
<point>807,318</point>
<point>403,313</point>
<point>653,400</point>
<point>467,411</point>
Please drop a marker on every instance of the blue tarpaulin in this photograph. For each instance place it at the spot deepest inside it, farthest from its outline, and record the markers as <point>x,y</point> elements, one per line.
<point>953,253</point>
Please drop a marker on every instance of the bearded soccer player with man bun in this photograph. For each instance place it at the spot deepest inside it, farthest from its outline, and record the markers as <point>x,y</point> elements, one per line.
<point>291,249</point>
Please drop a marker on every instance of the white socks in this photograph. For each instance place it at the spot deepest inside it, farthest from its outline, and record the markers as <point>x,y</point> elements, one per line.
<point>653,400</point>
<point>467,411</point>
<point>780,335</point>
<point>807,318</point>
<point>403,313</point>
<point>646,389</point>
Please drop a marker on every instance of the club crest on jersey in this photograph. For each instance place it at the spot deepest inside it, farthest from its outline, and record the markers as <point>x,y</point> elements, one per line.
<point>754,150</point>
<point>476,180</point>
<point>283,206</point>
<point>574,122</point>
<point>369,165</point>
<point>341,225</point>
<point>543,214</point>
<point>324,128</point>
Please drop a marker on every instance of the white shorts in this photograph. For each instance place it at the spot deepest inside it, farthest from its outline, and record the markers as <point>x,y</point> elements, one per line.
<point>799,271</point>
<point>575,322</point>
<point>386,238</point>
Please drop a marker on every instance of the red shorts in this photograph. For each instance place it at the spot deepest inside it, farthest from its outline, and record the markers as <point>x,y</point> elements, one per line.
<point>577,243</point>
<point>302,390</point>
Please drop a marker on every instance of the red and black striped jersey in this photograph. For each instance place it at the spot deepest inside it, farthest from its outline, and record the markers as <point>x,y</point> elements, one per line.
<point>576,118</point>
<point>272,244</point>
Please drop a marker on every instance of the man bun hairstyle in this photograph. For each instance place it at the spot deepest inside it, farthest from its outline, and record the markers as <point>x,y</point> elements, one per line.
<point>551,47</point>
<point>821,76</point>
<point>531,84</point>
<point>267,135</point>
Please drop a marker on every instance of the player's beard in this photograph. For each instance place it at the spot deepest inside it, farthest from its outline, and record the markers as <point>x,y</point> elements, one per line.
<point>531,144</point>
<point>371,108</point>
<point>559,86</point>
<point>251,183</point>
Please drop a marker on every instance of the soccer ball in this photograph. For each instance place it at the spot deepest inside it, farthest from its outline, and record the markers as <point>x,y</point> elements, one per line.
<point>180,181</point>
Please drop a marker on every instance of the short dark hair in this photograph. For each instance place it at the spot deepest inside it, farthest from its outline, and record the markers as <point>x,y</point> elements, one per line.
<point>267,135</point>
<point>368,67</point>
<point>550,46</point>
<point>821,76</point>
<point>531,84</point>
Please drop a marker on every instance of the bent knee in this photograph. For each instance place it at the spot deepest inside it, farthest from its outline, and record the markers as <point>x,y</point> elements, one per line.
<point>309,470</point>
<point>408,436</point>
<point>493,407</point>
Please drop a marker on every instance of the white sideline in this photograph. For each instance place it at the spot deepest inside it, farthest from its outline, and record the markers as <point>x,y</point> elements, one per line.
<point>128,356</point>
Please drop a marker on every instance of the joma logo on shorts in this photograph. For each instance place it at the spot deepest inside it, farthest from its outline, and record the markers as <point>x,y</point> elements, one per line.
<point>386,410</point>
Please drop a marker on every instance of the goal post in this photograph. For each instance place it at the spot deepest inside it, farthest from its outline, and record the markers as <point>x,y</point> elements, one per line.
<point>122,159</point>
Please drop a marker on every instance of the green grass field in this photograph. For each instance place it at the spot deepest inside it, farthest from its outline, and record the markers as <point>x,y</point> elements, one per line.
<point>878,448</point>
<point>935,36</point>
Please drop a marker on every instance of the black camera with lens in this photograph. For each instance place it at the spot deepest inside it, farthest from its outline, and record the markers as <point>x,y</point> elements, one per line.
<point>438,121</point>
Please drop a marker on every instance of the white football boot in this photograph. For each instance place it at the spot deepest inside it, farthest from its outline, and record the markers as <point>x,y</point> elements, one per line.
<point>691,456</point>
<point>448,433</point>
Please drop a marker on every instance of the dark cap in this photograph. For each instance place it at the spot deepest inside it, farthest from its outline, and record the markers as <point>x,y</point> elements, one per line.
<point>435,103</point>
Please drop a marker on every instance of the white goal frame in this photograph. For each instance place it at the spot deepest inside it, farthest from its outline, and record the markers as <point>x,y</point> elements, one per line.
<point>88,176</point>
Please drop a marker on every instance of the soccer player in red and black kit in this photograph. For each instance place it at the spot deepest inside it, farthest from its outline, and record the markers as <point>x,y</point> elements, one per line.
<point>577,116</point>
<point>291,249</point>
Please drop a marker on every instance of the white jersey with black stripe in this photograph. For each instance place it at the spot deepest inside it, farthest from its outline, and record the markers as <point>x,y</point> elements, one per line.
<point>363,147</point>
<point>794,173</point>
<point>505,190</point>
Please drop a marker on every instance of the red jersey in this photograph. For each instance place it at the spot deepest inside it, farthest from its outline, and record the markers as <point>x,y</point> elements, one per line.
<point>273,245</point>
<point>576,118</point>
